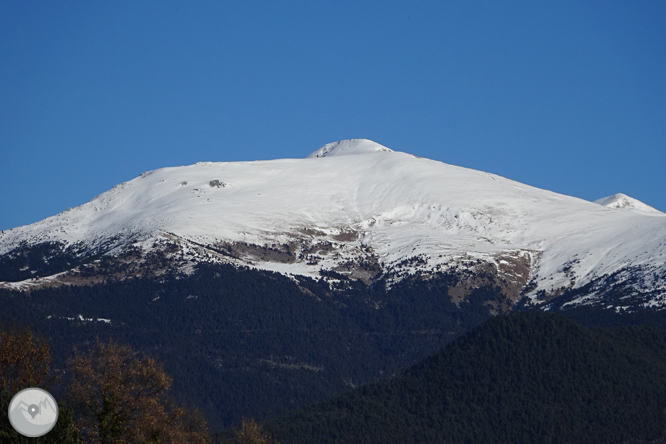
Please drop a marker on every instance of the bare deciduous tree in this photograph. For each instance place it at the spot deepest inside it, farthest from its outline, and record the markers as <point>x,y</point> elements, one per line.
<point>121,397</point>
<point>25,361</point>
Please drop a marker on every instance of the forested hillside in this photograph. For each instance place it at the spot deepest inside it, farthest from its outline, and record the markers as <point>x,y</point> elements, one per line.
<point>248,343</point>
<point>525,378</point>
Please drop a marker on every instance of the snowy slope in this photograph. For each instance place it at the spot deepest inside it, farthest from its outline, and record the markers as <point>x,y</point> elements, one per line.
<point>348,147</point>
<point>358,200</point>
<point>620,200</point>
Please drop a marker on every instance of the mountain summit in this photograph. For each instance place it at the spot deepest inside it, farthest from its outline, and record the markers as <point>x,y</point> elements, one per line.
<point>392,216</point>
<point>620,200</point>
<point>348,147</point>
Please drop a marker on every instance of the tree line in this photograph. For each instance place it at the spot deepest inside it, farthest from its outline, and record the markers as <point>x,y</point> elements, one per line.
<point>230,333</point>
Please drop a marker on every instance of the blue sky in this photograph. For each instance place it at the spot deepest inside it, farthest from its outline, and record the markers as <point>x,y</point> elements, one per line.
<point>567,96</point>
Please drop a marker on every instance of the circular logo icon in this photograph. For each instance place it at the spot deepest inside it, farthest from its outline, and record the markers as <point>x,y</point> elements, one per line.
<point>33,412</point>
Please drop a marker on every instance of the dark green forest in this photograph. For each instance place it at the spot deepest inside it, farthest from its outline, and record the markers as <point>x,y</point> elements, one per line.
<point>247,343</point>
<point>523,378</point>
<point>243,343</point>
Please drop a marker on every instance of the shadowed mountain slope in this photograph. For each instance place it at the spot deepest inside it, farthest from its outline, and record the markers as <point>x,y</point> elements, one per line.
<point>527,378</point>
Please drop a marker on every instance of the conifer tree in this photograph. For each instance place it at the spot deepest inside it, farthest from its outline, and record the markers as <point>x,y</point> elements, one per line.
<point>251,432</point>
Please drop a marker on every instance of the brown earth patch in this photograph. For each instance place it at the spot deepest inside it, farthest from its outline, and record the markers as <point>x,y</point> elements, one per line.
<point>510,274</point>
<point>365,269</point>
<point>277,253</point>
<point>346,236</point>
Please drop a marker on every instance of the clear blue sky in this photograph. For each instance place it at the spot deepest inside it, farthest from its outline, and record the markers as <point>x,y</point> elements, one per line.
<point>565,95</point>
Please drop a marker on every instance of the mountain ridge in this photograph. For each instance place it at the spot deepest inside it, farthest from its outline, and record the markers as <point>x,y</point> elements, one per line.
<point>391,214</point>
<point>282,283</point>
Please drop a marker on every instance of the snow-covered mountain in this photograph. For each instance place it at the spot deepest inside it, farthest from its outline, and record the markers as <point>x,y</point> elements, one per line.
<point>362,210</point>
<point>620,200</point>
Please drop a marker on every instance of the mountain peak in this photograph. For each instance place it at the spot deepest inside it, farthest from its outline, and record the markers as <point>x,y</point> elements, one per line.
<point>348,147</point>
<point>620,200</point>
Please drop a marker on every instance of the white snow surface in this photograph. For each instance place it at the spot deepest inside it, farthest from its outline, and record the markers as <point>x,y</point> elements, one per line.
<point>620,200</point>
<point>348,147</point>
<point>399,205</point>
